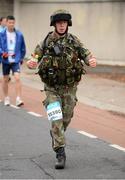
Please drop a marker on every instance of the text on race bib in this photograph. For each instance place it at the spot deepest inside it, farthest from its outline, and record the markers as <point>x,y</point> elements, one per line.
<point>54,111</point>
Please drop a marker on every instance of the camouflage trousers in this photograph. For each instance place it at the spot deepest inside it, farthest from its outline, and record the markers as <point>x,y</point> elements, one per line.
<point>66,96</point>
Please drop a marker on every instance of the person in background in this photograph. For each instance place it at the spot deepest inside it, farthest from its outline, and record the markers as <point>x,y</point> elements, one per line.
<point>12,53</point>
<point>2,27</point>
<point>2,23</point>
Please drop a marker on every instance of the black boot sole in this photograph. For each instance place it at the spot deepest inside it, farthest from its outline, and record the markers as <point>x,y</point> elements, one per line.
<point>59,166</point>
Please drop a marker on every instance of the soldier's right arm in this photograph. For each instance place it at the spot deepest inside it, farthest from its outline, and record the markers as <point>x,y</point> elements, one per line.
<point>36,57</point>
<point>39,51</point>
<point>85,54</point>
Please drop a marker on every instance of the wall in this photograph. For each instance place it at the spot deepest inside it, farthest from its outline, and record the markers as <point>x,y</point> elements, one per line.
<point>6,7</point>
<point>99,24</point>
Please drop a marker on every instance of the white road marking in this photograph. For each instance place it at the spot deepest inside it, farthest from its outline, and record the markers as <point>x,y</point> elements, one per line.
<point>14,106</point>
<point>35,114</point>
<point>87,134</point>
<point>32,113</point>
<point>117,147</point>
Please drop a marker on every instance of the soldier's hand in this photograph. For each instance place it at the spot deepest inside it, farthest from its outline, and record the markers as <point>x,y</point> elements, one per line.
<point>92,62</point>
<point>31,64</point>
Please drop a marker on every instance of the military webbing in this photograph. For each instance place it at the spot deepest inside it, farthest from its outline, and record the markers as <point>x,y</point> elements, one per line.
<point>64,69</point>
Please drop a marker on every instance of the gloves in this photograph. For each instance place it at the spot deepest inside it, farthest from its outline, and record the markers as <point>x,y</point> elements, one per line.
<point>5,55</point>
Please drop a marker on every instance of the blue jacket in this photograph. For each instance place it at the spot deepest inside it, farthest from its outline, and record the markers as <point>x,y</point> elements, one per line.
<point>20,48</point>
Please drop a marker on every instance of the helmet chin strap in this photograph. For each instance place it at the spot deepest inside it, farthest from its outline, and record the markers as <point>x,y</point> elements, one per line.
<point>61,34</point>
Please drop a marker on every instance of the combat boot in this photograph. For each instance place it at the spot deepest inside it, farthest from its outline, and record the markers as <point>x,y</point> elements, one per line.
<point>61,158</point>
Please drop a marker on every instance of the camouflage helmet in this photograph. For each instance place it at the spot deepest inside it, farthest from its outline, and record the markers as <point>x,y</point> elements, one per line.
<point>60,15</point>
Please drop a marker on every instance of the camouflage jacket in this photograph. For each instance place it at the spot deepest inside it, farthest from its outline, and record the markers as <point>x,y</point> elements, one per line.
<point>61,59</point>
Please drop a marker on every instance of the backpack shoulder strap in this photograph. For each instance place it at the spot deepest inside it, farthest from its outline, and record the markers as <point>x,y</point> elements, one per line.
<point>45,41</point>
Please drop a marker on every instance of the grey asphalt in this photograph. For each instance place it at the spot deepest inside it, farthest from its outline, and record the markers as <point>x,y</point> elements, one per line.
<point>25,151</point>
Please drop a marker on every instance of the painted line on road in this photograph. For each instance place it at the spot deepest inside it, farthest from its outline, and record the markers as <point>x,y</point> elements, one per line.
<point>32,113</point>
<point>14,106</point>
<point>117,147</point>
<point>35,114</point>
<point>87,134</point>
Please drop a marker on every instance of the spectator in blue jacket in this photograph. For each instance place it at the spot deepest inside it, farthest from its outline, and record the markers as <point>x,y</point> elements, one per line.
<point>12,52</point>
<point>2,23</point>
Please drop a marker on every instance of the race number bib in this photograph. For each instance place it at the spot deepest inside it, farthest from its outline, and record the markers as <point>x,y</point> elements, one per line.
<point>54,111</point>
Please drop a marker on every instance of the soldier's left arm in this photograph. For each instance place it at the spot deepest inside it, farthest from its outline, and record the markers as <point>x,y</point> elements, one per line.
<point>85,54</point>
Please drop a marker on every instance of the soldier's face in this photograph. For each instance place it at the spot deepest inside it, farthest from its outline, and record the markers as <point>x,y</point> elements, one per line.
<point>61,26</point>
